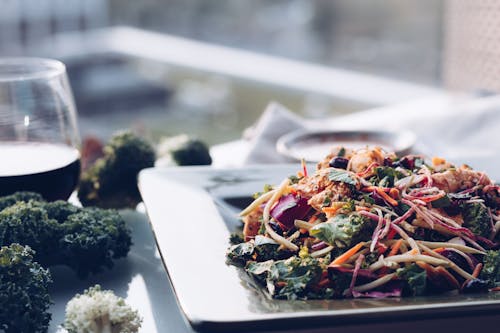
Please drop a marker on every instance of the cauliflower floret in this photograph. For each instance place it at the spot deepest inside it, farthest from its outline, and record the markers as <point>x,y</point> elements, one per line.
<point>100,311</point>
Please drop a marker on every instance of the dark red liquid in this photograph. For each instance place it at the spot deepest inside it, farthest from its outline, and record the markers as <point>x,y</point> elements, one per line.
<point>51,170</point>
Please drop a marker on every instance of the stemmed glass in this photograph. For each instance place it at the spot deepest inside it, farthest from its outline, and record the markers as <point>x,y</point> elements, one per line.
<point>39,137</point>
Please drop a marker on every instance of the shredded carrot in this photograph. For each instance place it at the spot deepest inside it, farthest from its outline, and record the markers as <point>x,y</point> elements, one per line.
<point>346,255</point>
<point>386,197</point>
<point>424,265</point>
<point>359,208</point>
<point>332,210</point>
<point>313,219</point>
<point>395,247</point>
<point>438,161</point>
<point>413,251</point>
<point>394,193</point>
<point>439,249</point>
<point>303,231</point>
<point>477,270</point>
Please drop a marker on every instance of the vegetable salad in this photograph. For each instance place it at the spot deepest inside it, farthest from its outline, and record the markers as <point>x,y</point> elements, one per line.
<point>367,223</point>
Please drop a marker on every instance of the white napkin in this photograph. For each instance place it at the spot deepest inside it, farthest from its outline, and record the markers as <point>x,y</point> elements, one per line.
<point>465,132</point>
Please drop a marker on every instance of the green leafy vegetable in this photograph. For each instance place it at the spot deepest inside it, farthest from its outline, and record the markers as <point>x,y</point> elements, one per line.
<point>442,202</point>
<point>343,230</point>
<point>85,239</point>
<point>267,248</point>
<point>183,150</point>
<point>414,278</point>
<point>239,254</point>
<point>477,219</point>
<point>288,279</point>
<point>24,292</point>
<point>491,268</point>
<point>343,176</point>
<point>112,181</point>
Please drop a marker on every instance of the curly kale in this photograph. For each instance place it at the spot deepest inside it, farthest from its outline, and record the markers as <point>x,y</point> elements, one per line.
<point>24,294</point>
<point>9,200</point>
<point>414,279</point>
<point>288,279</point>
<point>344,231</point>
<point>112,181</point>
<point>477,219</point>
<point>85,239</point>
<point>184,150</point>
<point>491,268</point>
<point>239,254</point>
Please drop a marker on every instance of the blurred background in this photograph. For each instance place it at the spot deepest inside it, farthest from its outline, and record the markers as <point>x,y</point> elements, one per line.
<point>209,68</point>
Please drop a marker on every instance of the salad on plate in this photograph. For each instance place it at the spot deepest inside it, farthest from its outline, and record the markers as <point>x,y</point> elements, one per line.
<point>367,223</point>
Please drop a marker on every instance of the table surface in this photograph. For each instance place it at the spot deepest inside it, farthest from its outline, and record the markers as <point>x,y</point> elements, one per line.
<point>142,279</point>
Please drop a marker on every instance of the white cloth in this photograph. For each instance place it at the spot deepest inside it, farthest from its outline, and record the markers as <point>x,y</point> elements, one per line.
<point>463,132</point>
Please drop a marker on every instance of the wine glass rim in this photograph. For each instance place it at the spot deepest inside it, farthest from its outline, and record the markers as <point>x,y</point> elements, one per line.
<point>29,68</point>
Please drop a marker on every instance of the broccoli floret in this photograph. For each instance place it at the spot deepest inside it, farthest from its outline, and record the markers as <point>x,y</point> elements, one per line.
<point>183,150</point>
<point>9,200</point>
<point>99,311</point>
<point>24,295</point>
<point>112,181</point>
<point>85,239</point>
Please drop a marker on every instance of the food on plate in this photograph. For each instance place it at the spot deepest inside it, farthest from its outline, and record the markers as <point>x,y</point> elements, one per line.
<point>367,223</point>
<point>85,239</point>
<point>111,182</point>
<point>182,150</point>
<point>24,291</point>
<point>100,311</point>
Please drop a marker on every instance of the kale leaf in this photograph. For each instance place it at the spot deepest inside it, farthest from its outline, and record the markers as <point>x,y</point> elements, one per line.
<point>477,219</point>
<point>24,291</point>
<point>343,231</point>
<point>343,176</point>
<point>414,278</point>
<point>289,279</point>
<point>239,254</point>
<point>491,268</point>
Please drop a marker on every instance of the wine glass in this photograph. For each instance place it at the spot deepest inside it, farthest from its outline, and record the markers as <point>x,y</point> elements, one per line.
<point>39,137</point>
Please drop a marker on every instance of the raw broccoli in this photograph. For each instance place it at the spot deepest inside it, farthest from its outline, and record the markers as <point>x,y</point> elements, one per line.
<point>112,181</point>
<point>24,295</point>
<point>99,311</point>
<point>183,150</point>
<point>85,239</point>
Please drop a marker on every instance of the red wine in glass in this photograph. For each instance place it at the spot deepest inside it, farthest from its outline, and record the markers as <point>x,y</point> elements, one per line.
<point>52,170</point>
<point>39,137</point>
